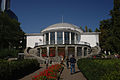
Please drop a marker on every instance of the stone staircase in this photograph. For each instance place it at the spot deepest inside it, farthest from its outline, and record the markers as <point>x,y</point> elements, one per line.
<point>33,54</point>
<point>95,50</point>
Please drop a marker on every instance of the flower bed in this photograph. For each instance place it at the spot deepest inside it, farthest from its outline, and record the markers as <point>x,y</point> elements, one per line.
<point>52,73</point>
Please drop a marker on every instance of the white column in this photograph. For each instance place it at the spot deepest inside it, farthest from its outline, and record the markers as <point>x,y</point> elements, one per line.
<point>56,54</point>
<point>47,51</point>
<point>49,38</point>
<point>82,52</point>
<point>63,38</point>
<point>75,38</point>
<point>44,39</point>
<point>75,51</point>
<point>4,3</point>
<point>55,37</point>
<point>70,38</point>
<point>66,51</point>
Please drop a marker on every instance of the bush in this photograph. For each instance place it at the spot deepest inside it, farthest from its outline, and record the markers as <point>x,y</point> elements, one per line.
<point>98,69</point>
<point>5,53</point>
<point>15,69</point>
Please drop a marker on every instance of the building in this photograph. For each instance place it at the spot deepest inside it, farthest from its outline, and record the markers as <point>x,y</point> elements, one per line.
<point>63,39</point>
<point>5,7</point>
<point>0,4</point>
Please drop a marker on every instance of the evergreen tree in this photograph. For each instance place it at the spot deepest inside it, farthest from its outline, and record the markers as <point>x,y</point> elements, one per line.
<point>86,29</point>
<point>10,32</point>
<point>115,13</point>
<point>90,30</point>
<point>97,30</point>
<point>110,30</point>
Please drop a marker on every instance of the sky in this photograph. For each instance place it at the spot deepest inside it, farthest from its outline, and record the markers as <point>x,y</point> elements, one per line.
<point>35,15</point>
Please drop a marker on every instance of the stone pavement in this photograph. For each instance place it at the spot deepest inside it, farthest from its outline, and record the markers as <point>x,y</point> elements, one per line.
<point>76,76</point>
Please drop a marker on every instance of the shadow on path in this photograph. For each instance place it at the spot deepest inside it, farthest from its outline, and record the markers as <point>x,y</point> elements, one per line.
<point>30,75</point>
<point>77,72</point>
<point>66,75</point>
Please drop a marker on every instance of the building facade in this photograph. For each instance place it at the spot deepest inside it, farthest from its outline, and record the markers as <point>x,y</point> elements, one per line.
<point>63,39</point>
<point>5,7</point>
<point>0,4</point>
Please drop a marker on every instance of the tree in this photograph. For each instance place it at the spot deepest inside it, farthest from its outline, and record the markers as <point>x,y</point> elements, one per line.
<point>86,29</point>
<point>97,30</point>
<point>105,29</point>
<point>115,13</point>
<point>110,30</point>
<point>90,30</point>
<point>10,32</point>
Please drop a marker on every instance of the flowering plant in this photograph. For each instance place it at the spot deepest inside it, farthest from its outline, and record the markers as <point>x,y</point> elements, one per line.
<point>49,74</point>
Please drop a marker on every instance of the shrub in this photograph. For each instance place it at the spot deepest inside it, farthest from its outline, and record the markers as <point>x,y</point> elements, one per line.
<point>98,69</point>
<point>15,69</point>
<point>4,53</point>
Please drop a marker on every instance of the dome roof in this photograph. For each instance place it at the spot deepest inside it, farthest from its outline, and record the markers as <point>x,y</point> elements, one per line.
<point>62,26</point>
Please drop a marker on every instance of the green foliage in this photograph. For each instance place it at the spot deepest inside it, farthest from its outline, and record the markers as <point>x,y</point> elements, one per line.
<point>14,69</point>
<point>86,29</point>
<point>90,30</point>
<point>10,32</point>
<point>98,69</point>
<point>110,30</point>
<point>97,30</point>
<point>5,53</point>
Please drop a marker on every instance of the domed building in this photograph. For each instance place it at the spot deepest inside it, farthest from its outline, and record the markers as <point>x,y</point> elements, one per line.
<point>64,39</point>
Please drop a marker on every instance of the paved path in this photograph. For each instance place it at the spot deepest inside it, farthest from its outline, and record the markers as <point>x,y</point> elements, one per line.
<point>29,77</point>
<point>64,76</point>
<point>76,76</point>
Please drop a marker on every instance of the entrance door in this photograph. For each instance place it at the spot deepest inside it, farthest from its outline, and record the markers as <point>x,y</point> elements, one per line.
<point>61,51</point>
<point>79,51</point>
<point>71,51</point>
<point>52,51</point>
<point>44,52</point>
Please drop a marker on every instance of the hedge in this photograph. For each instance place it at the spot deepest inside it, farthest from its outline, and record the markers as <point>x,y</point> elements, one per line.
<point>15,69</point>
<point>5,53</point>
<point>100,69</point>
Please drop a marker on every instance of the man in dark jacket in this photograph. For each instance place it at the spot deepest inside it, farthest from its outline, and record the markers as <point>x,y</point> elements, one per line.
<point>72,63</point>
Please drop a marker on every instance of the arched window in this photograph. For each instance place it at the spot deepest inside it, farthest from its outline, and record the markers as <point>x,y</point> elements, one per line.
<point>47,38</point>
<point>52,37</point>
<point>72,37</point>
<point>59,37</point>
<point>66,37</point>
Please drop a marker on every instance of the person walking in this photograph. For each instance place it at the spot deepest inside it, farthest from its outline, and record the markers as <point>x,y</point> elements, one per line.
<point>47,62</point>
<point>67,62</point>
<point>72,63</point>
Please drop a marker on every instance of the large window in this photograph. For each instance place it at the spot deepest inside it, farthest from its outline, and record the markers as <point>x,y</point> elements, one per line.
<point>47,38</point>
<point>66,37</point>
<point>71,51</point>
<point>44,52</point>
<point>72,37</point>
<point>52,51</point>
<point>85,51</point>
<point>59,37</point>
<point>61,51</point>
<point>52,37</point>
<point>79,51</point>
